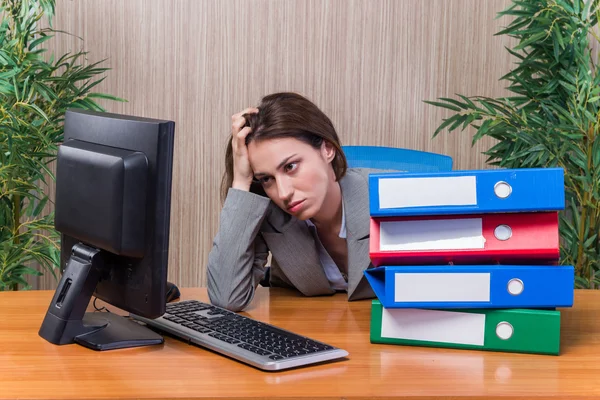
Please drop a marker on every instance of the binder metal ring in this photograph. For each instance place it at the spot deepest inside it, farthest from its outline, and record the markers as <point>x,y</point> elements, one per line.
<point>515,286</point>
<point>503,232</point>
<point>502,189</point>
<point>504,330</point>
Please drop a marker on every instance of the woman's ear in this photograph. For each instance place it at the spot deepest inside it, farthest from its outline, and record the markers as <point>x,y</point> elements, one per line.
<point>327,151</point>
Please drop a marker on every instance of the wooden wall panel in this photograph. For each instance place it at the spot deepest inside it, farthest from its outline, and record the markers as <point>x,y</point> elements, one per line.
<point>369,64</point>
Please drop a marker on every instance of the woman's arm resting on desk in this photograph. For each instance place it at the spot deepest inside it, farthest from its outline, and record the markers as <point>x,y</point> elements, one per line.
<point>236,263</point>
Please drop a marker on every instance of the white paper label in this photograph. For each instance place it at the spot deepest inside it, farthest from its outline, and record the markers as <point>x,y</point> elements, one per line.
<point>439,234</point>
<point>426,287</point>
<point>421,192</point>
<point>433,326</point>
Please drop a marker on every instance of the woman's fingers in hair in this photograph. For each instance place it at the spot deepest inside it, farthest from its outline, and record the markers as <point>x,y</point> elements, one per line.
<point>249,110</point>
<point>237,124</point>
<point>238,120</point>
<point>242,172</point>
<point>241,135</point>
<point>238,141</point>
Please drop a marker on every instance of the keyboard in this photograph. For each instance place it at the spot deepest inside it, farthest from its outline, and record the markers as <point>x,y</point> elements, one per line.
<point>256,343</point>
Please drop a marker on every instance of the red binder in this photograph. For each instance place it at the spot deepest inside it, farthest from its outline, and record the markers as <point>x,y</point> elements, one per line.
<point>465,239</point>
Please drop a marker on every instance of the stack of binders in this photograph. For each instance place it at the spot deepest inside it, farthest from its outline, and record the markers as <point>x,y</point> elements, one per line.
<point>468,259</point>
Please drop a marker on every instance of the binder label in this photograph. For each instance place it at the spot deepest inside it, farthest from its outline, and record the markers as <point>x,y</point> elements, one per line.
<point>430,287</point>
<point>438,234</point>
<point>433,326</point>
<point>423,192</point>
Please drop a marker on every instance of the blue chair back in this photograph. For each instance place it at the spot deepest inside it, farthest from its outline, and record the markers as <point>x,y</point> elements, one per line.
<point>397,159</point>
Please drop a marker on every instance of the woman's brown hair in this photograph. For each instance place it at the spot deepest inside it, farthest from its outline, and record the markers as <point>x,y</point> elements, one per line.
<point>287,115</point>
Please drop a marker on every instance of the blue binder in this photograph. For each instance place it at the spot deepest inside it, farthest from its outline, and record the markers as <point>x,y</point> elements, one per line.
<point>466,192</point>
<point>475,286</point>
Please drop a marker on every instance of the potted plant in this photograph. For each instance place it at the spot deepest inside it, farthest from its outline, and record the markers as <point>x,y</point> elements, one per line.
<point>552,116</point>
<point>35,92</point>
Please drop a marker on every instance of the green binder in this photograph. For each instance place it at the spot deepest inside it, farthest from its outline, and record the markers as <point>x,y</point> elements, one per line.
<point>510,330</point>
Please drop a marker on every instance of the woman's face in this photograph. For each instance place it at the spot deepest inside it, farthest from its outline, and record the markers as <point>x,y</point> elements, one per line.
<point>296,176</point>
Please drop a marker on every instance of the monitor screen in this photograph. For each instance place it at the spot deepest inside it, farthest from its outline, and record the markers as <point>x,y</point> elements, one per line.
<point>113,191</point>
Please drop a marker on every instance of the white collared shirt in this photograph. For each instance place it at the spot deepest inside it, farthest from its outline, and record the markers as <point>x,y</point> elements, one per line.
<point>334,276</point>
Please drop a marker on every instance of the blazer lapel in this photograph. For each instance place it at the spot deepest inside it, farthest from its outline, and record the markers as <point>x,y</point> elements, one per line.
<point>355,193</point>
<point>294,249</point>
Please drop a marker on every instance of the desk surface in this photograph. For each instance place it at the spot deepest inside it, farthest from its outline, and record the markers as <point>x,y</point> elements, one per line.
<point>33,368</point>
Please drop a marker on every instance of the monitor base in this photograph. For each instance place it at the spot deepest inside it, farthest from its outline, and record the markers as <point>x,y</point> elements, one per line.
<point>67,321</point>
<point>116,332</point>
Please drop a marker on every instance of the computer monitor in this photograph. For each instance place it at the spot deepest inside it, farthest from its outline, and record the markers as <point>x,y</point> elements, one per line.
<point>112,208</point>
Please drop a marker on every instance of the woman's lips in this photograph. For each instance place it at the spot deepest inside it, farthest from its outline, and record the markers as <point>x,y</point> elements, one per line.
<point>295,206</point>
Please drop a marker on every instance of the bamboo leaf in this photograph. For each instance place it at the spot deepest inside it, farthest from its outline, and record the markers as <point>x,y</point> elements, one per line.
<point>443,105</point>
<point>455,102</point>
<point>591,240</point>
<point>39,41</point>
<point>443,126</point>
<point>568,86</point>
<point>458,120</point>
<point>104,96</point>
<point>533,38</point>
<point>483,129</point>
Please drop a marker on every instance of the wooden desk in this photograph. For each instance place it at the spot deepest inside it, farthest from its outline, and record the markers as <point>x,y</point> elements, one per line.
<point>33,368</point>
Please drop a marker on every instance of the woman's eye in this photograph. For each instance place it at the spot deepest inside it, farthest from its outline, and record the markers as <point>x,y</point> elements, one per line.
<point>290,167</point>
<point>265,180</point>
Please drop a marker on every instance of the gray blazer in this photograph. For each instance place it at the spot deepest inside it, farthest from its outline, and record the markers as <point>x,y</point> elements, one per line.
<point>252,225</point>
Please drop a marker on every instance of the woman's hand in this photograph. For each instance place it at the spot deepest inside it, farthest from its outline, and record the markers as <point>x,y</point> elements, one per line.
<point>242,173</point>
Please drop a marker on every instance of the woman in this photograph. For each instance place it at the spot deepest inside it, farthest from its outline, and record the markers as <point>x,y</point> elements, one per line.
<point>287,190</point>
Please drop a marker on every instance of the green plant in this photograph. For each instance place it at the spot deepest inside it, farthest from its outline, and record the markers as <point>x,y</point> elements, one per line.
<point>34,95</point>
<point>551,118</point>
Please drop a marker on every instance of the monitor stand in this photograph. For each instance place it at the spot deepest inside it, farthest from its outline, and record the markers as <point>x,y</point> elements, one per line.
<point>67,321</point>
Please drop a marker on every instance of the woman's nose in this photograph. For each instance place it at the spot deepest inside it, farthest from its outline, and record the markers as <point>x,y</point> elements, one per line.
<point>284,189</point>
